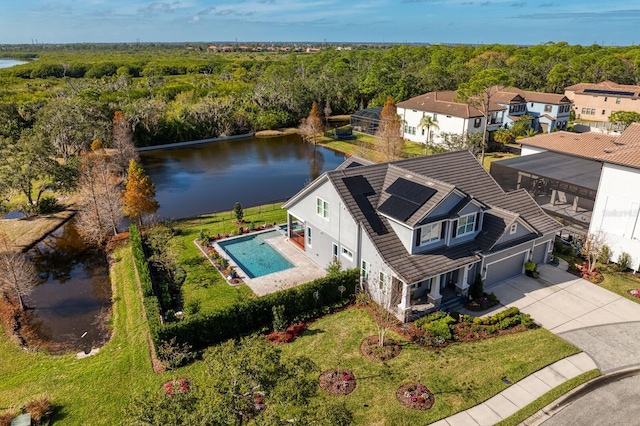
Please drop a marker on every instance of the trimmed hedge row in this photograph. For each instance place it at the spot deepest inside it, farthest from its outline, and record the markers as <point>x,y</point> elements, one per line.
<point>149,300</point>
<point>251,315</point>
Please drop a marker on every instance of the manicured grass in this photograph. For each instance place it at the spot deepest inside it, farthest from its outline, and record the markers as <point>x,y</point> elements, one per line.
<point>490,157</point>
<point>93,390</point>
<point>548,398</point>
<point>368,147</point>
<point>203,283</point>
<point>619,282</point>
<point>460,376</point>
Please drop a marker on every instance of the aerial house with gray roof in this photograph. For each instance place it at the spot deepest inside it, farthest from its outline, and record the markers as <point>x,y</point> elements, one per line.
<point>419,229</point>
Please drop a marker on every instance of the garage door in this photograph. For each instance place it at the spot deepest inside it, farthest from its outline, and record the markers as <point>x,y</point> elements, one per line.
<point>539,252</point>
<point>504,269</point>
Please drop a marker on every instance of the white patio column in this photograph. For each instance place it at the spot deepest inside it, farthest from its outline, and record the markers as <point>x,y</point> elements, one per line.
<point>464,285</point>
<point>405,301</point>
<point>434,295</point>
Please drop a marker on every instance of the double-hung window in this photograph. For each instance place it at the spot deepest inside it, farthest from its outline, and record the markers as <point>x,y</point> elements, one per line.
<point>322,208</point>
<point>430,233</point>
<point>477,122</point>
<point>365,268</point>
<point>383,281</point>
<point>466,224</point>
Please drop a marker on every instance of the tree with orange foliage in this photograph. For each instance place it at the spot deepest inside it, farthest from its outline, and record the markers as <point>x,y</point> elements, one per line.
<point>139,194</point>
<point>390,130</point>
<point>312,125</point>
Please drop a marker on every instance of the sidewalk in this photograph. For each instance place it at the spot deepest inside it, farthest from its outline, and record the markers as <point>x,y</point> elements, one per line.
<point>522,393</point>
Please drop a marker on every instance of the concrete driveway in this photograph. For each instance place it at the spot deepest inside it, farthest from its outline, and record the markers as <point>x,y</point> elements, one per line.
<point>601,323</point>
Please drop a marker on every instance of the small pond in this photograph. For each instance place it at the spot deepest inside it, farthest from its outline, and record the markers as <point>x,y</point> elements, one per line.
<point>7,63</point>
<point>74,296</point>
<point>209,178</point>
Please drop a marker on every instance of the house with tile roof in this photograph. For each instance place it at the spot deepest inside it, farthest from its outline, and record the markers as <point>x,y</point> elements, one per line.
<point>597,176</point>
<point>549,112</point>
<point>598,101</point>
<point>419,229</point>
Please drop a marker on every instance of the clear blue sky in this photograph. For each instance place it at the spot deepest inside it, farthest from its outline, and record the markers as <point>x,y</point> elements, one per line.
<point>422,21</point>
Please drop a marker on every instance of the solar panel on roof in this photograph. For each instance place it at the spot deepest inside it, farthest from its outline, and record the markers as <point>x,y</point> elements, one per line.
<point>354,164</point>
<point>398,208</point>
<point>358,185</point>
<point>411,191</point>
<point>608,92</point>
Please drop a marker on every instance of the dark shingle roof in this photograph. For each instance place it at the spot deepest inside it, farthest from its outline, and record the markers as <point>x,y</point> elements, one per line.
<point>361,189</point>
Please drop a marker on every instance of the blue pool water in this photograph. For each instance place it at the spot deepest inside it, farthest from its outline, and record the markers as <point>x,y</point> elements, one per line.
<point>254,255</point>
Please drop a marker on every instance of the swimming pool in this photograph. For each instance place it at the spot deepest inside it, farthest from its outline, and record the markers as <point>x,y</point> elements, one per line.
<point>254,255</point>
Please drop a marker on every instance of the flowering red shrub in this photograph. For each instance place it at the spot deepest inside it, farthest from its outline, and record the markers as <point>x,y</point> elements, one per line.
<point>289,335</point>
<point>176,386</point>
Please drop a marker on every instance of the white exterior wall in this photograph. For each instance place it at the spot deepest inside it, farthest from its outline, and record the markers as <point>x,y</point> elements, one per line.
<point>371,256</point>
<point>404,233</point>
<point>616,210</point>
<point>529,150</point>
<point>340,228</point>
<point>446,124</point>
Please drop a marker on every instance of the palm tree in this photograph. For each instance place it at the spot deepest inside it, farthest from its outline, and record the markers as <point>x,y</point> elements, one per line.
<point>428,122</point>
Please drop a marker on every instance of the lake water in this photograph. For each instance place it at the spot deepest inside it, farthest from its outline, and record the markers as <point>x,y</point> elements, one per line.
<point>74,296</point>
<point>6,63</point>
<point>209,178</point>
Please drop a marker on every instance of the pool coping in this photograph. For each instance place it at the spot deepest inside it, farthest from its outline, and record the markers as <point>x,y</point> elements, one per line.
<point>302,271</point>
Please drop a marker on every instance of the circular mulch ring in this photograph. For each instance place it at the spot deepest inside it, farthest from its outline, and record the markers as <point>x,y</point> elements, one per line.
<point>338,384</point>
<point>635,292</point>
<point>370,349</point>
<point>415,396</point>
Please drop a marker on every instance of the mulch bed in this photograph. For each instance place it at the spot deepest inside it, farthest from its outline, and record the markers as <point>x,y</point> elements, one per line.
<point>464,333</point>
<point>415,396</point>
<point>370,349</point>
<point>635,292</point>
<point>342,383</point>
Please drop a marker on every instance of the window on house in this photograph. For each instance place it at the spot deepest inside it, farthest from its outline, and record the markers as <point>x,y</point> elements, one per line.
<point>322,208</point>
<point>514,228</point>
<point>477,122</point>
<point>593,111</point>
<point>617,100</point>
<point>423,131</point>
<point>334,251</point>
<point>466,224</point>
<point>309,237</point>
<point>383,282</point>
<point>435,117</point>
<point>430,233</point>
<point>365,267</point>
<point>605,99</point>
<point>547,108</point>
<point>347,253</point>
<point>583,110</point>
<point>602,112</point>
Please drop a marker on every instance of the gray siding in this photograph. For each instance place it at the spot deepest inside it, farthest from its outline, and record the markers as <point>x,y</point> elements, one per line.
<point>445,205</point>
<point>540,250</point>
<point>405,234</point>
<point>520,232</point>
<point>506,263</point>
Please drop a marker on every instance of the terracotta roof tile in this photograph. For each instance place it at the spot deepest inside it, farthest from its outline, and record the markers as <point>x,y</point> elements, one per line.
<point>618,149</point>
<point>604,85</point>
<point>444,103</point>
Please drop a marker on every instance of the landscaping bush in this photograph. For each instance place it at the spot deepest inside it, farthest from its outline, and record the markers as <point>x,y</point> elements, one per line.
<point>624,261</point>
<point>440,328</point>
<point>279,319</point>
<point>48,204</point>
<point>477,287</point>
<point>301,303</point>
<point>435,316</point>
<point>605,254</point>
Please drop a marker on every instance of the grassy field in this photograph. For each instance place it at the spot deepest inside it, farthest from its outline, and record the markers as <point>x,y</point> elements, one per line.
<point>490,157</point>
<point>204,285</point>
<point>25,232</point>
<point>460,376</point>
<point>94,390</point>
<point>368,147</point>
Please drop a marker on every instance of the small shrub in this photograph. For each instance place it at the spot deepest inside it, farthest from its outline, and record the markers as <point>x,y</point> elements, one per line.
<point>173,354</point>
<point>334,267</point>
<point>5,419</point>
<point>40,409</point>
<point>193,307</point>
<point>605,255</point>
<point>238,211</point>
<point>477,287</point>
<point>362,299</point>
<point>624,261</point>
<point>48,204</point>
<point>440,328</point>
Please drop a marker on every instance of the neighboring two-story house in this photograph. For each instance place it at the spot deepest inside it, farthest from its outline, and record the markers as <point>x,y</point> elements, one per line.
<point>451,116</point>
<point>419,229</point>
<point>598,101</point>
<point>591,180</point>
<point>548,111</point>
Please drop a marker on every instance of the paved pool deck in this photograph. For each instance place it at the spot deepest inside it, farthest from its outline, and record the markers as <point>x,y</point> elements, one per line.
<point>303,271</point>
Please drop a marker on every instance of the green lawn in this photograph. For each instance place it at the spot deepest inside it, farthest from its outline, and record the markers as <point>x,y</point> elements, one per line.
<point>460,376</point>
<point>368,147</point>
<point>619,282</point>
<point>490,157</point>
<point>93,390</point>
<point>204,284</point>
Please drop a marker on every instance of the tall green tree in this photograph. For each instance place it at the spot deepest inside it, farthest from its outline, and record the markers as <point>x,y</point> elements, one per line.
<point>624,117</point>
<point>139,193</point>
<point>479,91</point>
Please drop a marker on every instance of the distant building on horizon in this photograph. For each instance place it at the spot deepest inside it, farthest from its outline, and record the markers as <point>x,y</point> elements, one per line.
<point>598,101</point>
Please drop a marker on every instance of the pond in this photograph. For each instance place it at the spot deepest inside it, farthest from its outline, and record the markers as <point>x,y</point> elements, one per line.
<point>7,63</point>
<point>72,302</point>
<point>208,178</point>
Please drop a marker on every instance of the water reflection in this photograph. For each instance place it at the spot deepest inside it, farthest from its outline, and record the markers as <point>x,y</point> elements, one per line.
<point>74,295</point>
<point>212,177</point>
